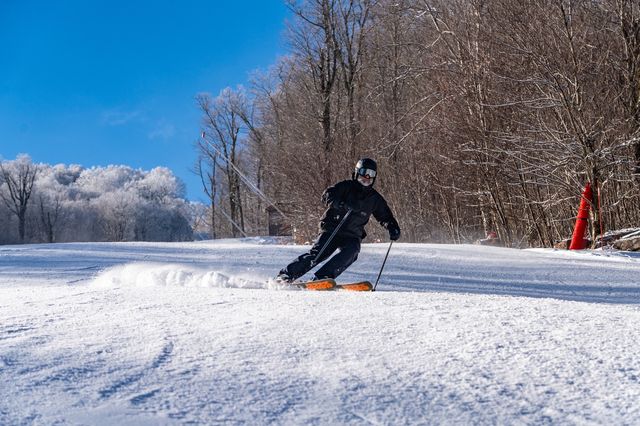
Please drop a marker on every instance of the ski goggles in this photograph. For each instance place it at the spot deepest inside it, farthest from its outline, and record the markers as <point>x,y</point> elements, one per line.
<point>368,173</point>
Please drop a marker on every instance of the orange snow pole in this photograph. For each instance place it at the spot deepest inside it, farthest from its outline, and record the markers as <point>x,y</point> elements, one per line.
<point>577,241</point>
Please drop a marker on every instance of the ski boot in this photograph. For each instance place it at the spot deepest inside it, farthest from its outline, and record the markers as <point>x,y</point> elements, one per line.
<point>283,279</point>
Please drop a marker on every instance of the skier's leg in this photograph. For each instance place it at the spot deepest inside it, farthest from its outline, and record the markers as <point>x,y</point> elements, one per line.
<point>302,264</point>
<point>349,249</point>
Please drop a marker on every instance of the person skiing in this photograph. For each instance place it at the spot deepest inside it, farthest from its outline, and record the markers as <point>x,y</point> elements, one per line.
<point>350,204</point>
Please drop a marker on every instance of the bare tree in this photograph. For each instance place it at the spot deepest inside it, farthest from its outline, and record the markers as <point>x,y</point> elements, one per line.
<point>352,27</point>
<point>315,42</point>
<point>484,115</point>
<point>627,18</point>
<point>221,140</point>
<point>18,177</point>
<point>207,173</point>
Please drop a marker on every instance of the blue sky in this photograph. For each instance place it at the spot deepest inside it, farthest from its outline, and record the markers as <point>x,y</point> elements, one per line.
<point>95,82</point>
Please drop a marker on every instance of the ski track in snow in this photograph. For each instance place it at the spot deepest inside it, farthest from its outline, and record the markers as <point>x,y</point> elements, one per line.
<point>190,333</point>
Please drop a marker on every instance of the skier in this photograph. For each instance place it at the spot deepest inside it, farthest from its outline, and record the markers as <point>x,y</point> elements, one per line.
<point>357,198</point>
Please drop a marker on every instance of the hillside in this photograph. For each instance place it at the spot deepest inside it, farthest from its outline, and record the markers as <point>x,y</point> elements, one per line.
<point>158,333</point>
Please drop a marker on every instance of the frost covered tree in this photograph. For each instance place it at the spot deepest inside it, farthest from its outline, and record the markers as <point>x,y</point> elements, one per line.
<point>96,181</point>
<point>18,178</point>
<point>160,185</point>
<point>161,211</point>
<point>73,203</point>
<point>53,195</point>
<point>117,213</point>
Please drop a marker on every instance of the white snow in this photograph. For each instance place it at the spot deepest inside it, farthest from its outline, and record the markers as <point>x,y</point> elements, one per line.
<point>189,333</point>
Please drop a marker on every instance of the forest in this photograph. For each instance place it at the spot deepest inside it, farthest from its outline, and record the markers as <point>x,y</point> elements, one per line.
<point>483,115</point>
<point>41,203</point>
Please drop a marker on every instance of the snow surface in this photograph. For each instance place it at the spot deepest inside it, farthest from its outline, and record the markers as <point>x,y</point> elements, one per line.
<point>190,333</point>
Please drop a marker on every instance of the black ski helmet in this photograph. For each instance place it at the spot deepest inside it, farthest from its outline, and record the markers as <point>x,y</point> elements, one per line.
<point>364,167</point>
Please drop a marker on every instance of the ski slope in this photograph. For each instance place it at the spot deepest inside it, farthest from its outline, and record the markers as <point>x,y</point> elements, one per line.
<point>191,333</point>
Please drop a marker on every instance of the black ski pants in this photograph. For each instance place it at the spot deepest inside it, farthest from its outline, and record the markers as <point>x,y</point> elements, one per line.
<point>348,247</point>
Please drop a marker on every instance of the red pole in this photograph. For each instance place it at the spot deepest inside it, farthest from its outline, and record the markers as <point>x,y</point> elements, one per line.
<point>577,241</point>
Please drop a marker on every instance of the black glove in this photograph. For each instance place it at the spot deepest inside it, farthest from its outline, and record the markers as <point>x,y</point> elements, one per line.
<point>394,233</point>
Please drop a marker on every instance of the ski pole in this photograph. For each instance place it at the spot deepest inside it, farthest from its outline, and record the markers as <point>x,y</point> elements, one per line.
<point>382,267</point>
<point>335,231</point>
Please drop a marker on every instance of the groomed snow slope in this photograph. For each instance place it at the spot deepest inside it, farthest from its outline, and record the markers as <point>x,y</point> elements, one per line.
<point>156,333</point>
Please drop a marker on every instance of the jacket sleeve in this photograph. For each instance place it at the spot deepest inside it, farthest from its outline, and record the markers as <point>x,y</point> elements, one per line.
<point>335,194</point>
<point>383,214</point>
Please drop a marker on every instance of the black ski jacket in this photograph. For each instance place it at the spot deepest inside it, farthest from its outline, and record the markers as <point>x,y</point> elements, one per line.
<point>364,200</point>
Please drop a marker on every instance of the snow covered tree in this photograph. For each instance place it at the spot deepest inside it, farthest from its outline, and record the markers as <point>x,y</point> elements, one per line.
<point>96,181</point>
<point>18,177</point>
<point>160,211</point>
<point>117,213</point>
<point>160,185</point>
<point>113,203</point>
<point>52,197</point>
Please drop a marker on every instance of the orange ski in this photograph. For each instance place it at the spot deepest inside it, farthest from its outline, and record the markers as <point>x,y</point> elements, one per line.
<point>329,284</point>
<point>359,286</point>
<point>318,285</point>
